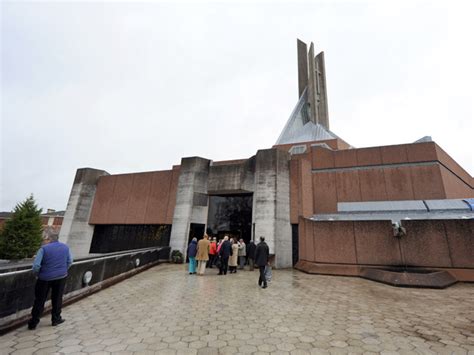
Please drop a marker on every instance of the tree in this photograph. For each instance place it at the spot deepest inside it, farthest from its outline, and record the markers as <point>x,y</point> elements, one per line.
<point>22,234</point>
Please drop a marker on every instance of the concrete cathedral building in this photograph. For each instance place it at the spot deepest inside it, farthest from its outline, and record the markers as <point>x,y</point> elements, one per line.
<point>321,203</point>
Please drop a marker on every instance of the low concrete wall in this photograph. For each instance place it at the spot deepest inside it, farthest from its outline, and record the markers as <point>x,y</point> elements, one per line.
<point>17,287</point>
<point>344,247</point>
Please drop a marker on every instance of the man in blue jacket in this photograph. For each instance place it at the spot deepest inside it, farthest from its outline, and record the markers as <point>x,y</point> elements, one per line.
<point>51,264</point>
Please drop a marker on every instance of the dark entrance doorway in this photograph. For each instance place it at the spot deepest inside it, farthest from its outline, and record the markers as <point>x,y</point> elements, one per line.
<point>230,215</point>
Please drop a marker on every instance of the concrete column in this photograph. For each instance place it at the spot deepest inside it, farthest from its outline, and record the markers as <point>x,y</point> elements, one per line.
<point>76,230</point>
<point>271,204</point>
<point>302,67</point>
<point>193,179</point>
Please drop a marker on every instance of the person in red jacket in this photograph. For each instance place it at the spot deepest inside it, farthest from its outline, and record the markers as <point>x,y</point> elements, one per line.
<point>212,253</point>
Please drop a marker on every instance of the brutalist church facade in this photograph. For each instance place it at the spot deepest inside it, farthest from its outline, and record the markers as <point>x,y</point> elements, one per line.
<point>310,176</point>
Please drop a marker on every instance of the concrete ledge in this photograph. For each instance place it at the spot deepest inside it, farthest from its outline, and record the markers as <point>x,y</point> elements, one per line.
<point>427,279</point>
<point>391,275</point>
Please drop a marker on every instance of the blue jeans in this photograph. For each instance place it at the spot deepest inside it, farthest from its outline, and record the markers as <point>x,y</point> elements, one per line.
<point>192,265</point>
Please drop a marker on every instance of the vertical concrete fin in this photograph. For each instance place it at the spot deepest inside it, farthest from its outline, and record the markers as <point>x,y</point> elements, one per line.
<point>302,66</point>
<point>75,230</point>
<point>312,85</point>
<point>321,91</point>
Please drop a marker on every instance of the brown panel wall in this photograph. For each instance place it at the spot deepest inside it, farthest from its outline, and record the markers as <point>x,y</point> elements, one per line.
<point>460,236</point>
<point>141,198</point>
<point>421,152</point>
<point>425,244</point>
<point>334,242</point>
<point>451,164</point>
<point>427,182</point>
<point>302,237</point>
<point>159,195</point>
<point>455,187</point>
<point>295,184</point>
<point>322,158</point>
<point>306,190</point>
<point>345,158</point>
<point>102,199</point>
<point>398,183</point>
<point>372,185</point>
<point>119,201</point>
<point>347,186</point>
<point>325,195</point>
<point>138,198</point>
<point>375,243</point>
<point>369,156</point>
<point>394,154</point>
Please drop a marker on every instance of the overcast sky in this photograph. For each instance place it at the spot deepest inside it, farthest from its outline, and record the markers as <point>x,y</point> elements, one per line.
<point>129,87</point>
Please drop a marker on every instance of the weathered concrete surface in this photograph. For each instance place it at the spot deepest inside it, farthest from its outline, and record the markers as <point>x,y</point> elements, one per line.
<point>166,311</point>
<point>75,230</point>
<point>192,180</point>
<point>271,204</point>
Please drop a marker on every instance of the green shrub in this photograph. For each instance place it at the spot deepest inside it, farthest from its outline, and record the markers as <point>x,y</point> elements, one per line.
<point>177,257</point>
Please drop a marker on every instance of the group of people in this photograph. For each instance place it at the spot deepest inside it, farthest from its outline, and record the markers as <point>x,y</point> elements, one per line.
<point>227,255</point>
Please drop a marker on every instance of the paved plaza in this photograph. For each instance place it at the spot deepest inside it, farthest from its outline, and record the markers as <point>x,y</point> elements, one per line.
<point>166,311</point>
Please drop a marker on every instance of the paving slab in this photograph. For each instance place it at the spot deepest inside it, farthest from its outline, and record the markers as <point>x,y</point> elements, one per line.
<point>164,310</point>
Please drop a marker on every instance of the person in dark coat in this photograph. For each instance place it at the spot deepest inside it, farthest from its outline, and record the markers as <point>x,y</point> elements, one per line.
<point>261,260</point>
<point>51,265</point>
<point>192,251</point>
<point>225,251</point>
<point>251,254</point>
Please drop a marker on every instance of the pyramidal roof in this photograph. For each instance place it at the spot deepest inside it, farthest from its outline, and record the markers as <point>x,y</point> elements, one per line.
<point>299,128</point>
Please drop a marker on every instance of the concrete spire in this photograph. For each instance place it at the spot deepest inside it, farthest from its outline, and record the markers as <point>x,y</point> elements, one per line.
<point>312,76</point>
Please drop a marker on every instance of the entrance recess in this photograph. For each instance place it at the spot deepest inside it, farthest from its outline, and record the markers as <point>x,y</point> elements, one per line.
<point>230,215</point>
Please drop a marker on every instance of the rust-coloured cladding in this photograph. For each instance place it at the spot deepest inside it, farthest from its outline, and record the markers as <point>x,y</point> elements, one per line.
<point>421,152</point>
<point>306,191</point>
<point>449,163</point>
<point>398,183</point>
<point>427,182</point>
<point>141,198</point>
<point>138,198</point>
<point>454,186</point>
<point>394,154</point>
<point>347,186</point>
<point>302,237</point>
<point>334,242</point>
<point>324,192</point>
<point>102,199</point>
<point>369,156</point>
<point>322,158</point>
<point>460,234</point>
<point>119,201</point>
<point>295,184</point>
<point>425,244</point>
<point>372,185</point>
<point>159,197</point>
<point>375,243</point>
<point>345,158</point>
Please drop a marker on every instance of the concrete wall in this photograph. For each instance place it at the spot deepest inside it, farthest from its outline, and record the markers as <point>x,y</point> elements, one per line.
<point>75,230</point>
<point>271,203</point>
<point>193,180</point>
<point>437,244</point>
<point>138,198</point>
